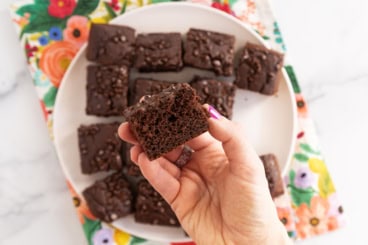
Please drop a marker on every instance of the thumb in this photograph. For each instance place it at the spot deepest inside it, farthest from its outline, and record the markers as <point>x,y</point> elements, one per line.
<point>238,151</point>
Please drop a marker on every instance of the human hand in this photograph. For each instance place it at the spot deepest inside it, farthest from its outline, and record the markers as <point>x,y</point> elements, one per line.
<point>221,195</point>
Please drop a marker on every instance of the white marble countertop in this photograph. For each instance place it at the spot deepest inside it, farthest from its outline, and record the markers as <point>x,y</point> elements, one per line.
<point>325,40</point>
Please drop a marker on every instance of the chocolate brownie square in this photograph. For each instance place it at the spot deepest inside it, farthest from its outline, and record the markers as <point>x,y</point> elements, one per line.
<point>273,175</point>
<point>131,169</point>
<point>143,86</point>
<point>107,90</point>
<point>151,208</point>
<point>216,93</point>
<point>210,51</point>
<point>158,52</point>
<point>259,69</point>
<point>110,199</point>
<point>99,148</point>
<point>163,121</point>
<point>111,44</point>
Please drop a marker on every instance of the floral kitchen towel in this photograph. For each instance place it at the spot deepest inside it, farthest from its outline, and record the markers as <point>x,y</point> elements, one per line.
<point>52,31</point>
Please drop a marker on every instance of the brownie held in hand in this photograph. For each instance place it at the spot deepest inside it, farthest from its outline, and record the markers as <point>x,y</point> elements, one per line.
<point>158,52</point>
<point>111,44</point>
<point>107,90</point>
<point>210,51</point>
<point>216,93</point>
<point>163,121</point>
<point>259,69</point>
<point>99,148</point>
<point>109,199</point>
<point>144,86</point>
<point>273,175</point>
<point>151,208</point>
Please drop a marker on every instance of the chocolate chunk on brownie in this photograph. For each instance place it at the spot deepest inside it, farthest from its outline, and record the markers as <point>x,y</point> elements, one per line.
<point>107,90</point>
<point>273,175</point>
<point>143,86</point>
<point>111,44</point>
<point>163,121</point>
<point>109,199</point>
<point>216,93</point>
<point>158,52</point>
<point>151,208</point>
<point>99,147</point>
<point>210,51</point>
<point>131,169</point>
<point>259,69</point>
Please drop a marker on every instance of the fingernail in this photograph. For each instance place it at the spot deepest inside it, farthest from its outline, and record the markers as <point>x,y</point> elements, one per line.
<point>214,114</point>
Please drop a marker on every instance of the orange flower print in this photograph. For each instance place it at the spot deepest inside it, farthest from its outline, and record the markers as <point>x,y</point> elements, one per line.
<point>77,30</point>
<point>314,220</point>
<point>55,59</point>
<point>301,105</point>
<point>81,205</point>
<point>285,217</point>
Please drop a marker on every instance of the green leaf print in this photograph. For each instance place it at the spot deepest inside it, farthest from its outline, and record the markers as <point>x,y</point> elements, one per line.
<point>42,2</point>
<point>42,22</point>
<point>90,227</point>
<point>301,157</point>
<point>123,8</point>
<point>85,7</point>
<point>136,240</point>
<point>294,81</point>
<point>31,9</point>
<point>291,176</point>
<point>110,10</point>
<point>300,196</point>
<point>308,149</point>
<point>49,98</point>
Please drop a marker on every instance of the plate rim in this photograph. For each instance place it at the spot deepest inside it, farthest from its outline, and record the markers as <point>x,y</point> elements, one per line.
<point>246,26</point>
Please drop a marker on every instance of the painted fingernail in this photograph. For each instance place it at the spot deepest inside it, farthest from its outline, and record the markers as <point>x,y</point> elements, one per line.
<point>214,114</point>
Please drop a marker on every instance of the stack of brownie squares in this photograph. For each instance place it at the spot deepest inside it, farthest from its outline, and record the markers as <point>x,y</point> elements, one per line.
<point>116,50</point>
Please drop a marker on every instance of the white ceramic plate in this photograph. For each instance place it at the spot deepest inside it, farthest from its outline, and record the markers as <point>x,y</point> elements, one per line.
<point>269,121</point>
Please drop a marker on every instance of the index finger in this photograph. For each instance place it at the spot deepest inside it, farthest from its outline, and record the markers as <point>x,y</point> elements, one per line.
<point>125,134</point>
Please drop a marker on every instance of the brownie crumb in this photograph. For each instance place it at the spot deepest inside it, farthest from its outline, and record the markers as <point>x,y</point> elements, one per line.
<point>151,208</point>
<point>273,175</point>
<point>145,86</point>
<point>99,148</point>
<point>110,199</point>
<point>217,93</point>
<point>107,90</point>
<point>259,69</point>
<point>158,52</point>
<point>166,120</point>
<point>210,51</point>
<point>111,44</point>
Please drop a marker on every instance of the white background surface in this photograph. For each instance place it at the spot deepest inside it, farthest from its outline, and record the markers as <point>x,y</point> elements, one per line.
<point>327,43</point>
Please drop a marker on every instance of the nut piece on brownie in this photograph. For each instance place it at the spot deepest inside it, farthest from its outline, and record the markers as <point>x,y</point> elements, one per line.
<point>111,44</point>
<point>216,93</point>
<point>99,148</point>
<point>109,199</point>
<point>158,52</point>
<point>210,51</point>
<point>273,175</point>
<point>107,90</point>
<point>151,208</point>
<point>259,69</point>
<point>166,120</point>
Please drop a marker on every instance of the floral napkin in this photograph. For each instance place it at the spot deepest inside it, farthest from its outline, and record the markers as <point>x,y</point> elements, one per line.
<point>52,31</point>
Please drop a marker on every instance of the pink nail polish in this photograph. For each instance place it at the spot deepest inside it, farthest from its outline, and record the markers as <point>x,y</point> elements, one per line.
<point>214,114</point>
